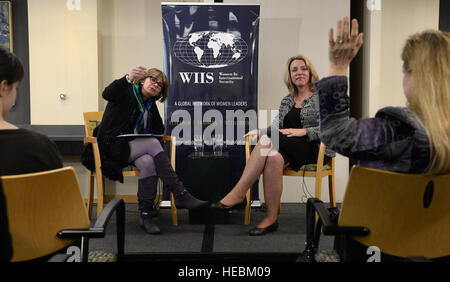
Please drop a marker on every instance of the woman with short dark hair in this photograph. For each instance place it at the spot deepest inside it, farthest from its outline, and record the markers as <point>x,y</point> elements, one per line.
<point>21,150</point>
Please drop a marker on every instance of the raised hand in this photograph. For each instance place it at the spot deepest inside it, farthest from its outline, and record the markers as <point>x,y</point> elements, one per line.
<point>344,49</point>
<point>137,72</point>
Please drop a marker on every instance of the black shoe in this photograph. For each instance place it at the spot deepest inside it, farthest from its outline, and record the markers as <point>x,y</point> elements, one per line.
<point>185,200</point>
<point>261,231</point>
<point>237,206</point>
<point>146,222</point>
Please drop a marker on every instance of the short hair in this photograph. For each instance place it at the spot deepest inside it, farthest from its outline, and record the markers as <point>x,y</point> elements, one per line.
<point>313,76</point>
<point>11,68</point>
<point>156,73</point>
<point>426,57</point>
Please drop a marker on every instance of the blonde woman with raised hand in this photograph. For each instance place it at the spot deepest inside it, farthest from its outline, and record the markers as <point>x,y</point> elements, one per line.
<point>412,139</point>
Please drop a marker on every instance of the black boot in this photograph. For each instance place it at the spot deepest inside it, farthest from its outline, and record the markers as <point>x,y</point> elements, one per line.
<point>147,188</point>
<point>183,199</point>
<point>147,223</point>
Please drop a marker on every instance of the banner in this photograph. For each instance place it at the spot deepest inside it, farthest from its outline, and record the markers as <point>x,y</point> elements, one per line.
<point>211,60</point>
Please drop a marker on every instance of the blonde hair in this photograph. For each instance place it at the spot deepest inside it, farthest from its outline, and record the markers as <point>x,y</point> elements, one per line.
<point>313,76</point>
<point>426,56</point>
<point>156,73</point>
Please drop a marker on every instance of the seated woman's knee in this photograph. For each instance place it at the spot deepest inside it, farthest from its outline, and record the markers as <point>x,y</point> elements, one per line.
<point>265,142</point>
<point>145,161</point>
<point>275,161</point>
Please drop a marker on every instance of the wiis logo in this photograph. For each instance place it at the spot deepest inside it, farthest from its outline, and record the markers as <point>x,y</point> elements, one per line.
<point>197,77</point>
<point>209,50</point>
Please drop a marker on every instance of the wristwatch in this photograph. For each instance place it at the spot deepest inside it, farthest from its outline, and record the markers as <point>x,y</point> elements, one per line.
<point>127,77</point>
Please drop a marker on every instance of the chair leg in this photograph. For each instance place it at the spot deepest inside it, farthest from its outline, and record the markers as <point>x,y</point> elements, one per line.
<point>120,230</point>
<point>318,193</point>
<point>90,194</point>
<point>84,249</point>
<point>174,210</point>
<point>248,208</point>
<point>331,185</point>
<point>99,195</point>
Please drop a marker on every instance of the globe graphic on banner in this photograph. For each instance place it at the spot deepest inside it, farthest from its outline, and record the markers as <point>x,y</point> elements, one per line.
<point>210,49</point>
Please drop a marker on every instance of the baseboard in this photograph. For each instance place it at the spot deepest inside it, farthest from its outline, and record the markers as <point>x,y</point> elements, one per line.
<point>131,199</point>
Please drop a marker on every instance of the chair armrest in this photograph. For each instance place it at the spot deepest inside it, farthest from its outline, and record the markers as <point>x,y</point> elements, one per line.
<point>168,138</point>
<point>98,230</point>
<point>332,228</point>
<point>114,205</point>
<point>89,139</point>
<point>78,233</point>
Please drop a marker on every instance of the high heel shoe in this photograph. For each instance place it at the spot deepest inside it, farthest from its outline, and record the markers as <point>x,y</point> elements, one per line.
<point>237,206</point>
<point>261,231</point>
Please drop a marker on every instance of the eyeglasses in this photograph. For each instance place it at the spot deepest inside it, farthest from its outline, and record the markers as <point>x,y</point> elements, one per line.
<point>154,81</point>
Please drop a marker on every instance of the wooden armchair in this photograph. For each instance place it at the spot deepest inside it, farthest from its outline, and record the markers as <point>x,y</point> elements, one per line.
<point>91,121</point>
<point>46,213</point>
<point>400,215</point>
<point>317,170</point>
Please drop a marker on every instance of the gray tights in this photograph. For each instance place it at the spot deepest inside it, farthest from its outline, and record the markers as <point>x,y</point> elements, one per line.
<point>142,151</point>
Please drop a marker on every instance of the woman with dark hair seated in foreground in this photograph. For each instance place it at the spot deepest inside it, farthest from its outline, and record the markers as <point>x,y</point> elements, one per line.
<point>21,150</point>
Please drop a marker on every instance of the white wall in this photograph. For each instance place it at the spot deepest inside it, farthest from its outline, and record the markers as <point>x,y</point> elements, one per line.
<point>63,59</point>
<point>386,31</point>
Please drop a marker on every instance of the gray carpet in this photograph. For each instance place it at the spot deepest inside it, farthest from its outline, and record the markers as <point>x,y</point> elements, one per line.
<point>225,238</point>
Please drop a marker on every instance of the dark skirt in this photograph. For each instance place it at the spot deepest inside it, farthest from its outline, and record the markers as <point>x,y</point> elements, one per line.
<point>119,150</point>
<point>298,151</point>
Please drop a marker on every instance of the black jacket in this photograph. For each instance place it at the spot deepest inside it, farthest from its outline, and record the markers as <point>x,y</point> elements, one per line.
<point>119,118</point>
<point>26,151</point>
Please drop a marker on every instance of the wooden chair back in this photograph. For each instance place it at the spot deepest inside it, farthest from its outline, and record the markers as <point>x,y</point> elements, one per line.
<point>39,205</point>
<point>407,214</point>
<point>91,121</point>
